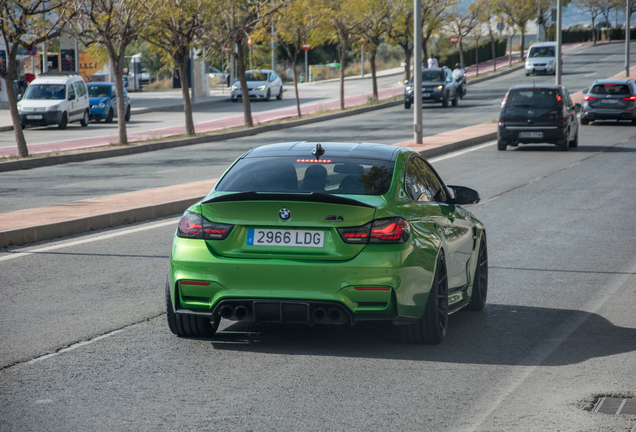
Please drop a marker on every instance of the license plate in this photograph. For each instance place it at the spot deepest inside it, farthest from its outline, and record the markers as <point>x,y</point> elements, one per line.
<point>277,237</point>
<point>426,95</point>
<point>34,117</point>
<point>609,101</point>
<point>530,134</point>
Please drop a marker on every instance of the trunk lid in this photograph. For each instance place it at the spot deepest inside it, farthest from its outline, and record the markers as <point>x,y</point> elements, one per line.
<point>533,107</point>
<point>254,216</point>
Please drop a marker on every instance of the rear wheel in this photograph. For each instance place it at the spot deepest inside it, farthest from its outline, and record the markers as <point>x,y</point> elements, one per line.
<point>564,143</point>
<point>407,105</point>
<point>584,121</point>
<point>432,327</point>
<point>501,145</point>
<point>480,281</point>
<point>184,325</point>
<point>84,121</point>
<point>280,93</point>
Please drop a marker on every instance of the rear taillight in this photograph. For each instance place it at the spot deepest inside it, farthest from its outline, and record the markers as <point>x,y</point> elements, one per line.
<point>195,226</point>
<point>502,123</point>
<point>588,98</point>
<point>389,230</point>
<point>630,98</point>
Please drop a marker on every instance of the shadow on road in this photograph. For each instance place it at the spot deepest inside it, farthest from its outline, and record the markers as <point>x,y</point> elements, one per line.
<point>500,335</point>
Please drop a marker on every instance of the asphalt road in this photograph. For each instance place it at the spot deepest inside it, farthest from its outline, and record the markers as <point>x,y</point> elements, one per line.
<point>559,329</point>
<point>310,94</point>
<point>72,182</point>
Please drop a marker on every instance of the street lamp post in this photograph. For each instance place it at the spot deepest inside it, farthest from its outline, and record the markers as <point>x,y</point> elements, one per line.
<point>417,71</point>
<point>628,16</point>
<point>558,68</point>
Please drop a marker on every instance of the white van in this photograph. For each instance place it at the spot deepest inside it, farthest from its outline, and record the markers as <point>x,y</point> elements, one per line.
<point>55,98</point>
<point>541,58</point>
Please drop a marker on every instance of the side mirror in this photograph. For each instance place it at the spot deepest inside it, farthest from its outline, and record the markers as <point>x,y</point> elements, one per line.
<point>406,82</point>
<point>464,195</point>
<point>19,97</point>
<point>585,91</point>
<point>577,107</point>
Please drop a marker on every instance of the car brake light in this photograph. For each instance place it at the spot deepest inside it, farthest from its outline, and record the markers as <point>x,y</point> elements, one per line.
<point>390,230</point>
<point>589,98</point>
<point>559,98</point>
<point>313,160</point>
<point>629,98</point>
<point>355,235</point>
<point>561,120</point>
<point>194,283</point>
<point>195,226</point>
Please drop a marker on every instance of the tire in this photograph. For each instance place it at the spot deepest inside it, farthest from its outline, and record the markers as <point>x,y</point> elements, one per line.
<point>234,99</point>
<point>432,327</point>
<point>63,121</point>
<point>109,117</point>
<point>527,74</point>
<point>84,121</point>
<point>23,125</point>
<point>501,145</point>
<point>456,100</point>
<point>407,105</point>
<point>127,118</point>
<point>584,121</point>
<point>280,94</point>
<point>480,280</point>
<point>184,325</point>
<point>445,101</point>
<point>575,141</point>
<point>269,96</point>
<point>564,144</point>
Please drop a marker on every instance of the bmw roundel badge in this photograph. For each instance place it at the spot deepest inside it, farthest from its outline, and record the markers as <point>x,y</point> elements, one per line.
<point>284,214</point>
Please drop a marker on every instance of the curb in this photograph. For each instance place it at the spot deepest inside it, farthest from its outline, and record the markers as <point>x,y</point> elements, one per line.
<point>142,148</point>
<point>20,236</point>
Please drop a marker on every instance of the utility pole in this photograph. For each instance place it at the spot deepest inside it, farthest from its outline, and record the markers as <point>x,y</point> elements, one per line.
<point>559,39</point>
<point>628,18</point>
<point>362,60</point>
<point>417,71</point>
<point>272,41</point>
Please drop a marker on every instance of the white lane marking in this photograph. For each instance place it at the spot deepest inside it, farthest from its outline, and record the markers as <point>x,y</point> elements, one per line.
<point>74,346</point>
<point>537,356</point>
<point>91,239</point>
<point>459,153</point>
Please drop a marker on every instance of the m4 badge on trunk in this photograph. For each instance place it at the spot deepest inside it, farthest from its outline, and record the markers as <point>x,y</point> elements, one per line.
<point>334,218</point>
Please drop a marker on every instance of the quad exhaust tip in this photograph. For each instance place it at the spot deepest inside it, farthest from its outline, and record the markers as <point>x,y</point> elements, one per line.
<point>226,312</point>
<point>240,312</point>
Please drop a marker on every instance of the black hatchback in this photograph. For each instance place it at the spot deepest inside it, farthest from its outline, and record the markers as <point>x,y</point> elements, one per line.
<point>610,100</point>
<point>538,114</point>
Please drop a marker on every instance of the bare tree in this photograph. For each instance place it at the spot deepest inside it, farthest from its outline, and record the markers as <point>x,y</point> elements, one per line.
<point>112,25</point>
<point>401,33</point>
<point>26,23</point>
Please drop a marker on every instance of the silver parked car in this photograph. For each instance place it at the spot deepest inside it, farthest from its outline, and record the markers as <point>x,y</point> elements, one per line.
<point>262,84</point>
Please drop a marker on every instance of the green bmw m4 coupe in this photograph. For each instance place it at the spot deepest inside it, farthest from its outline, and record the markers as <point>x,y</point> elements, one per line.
<point>328,233</point>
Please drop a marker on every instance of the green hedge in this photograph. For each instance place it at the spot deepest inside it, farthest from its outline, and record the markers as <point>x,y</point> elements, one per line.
<point>450,59</point>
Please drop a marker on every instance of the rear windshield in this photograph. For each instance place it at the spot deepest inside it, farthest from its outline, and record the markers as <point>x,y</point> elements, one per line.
<point>99,91</point>
<point>46,91</point>
<point>541,52</point>
<point>611,89</point>
<point>296,175</point>
<point>535,97</point>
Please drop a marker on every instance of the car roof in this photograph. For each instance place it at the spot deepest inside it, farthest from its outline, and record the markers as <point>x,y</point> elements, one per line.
<point>611,81</point>
<point>542,44</point>
<point>101,83</point>
<point>55,79</point>
<point>536,86</point>
<point>332,149</point>
<point>259,70</point>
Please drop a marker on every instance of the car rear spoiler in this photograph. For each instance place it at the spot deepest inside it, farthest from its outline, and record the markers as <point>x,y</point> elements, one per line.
<point>311,197</point>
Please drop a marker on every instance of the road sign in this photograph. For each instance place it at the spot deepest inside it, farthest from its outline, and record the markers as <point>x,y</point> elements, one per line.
<point>548,24</point>
<point>306,46</point>
<point>249,41</point>
<point>33,51</point>
<point>362,41</point>
<point>500,26</point>
<point>453,39</point>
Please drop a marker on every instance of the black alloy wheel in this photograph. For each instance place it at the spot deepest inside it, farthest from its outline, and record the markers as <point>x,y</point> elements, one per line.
<point>480,280</point>
<point>432,327</point>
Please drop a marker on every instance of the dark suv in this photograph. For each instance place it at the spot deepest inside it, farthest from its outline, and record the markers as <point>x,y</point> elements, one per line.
<point>438,85</point>
<point>538,114</point>
<point>610,100</point>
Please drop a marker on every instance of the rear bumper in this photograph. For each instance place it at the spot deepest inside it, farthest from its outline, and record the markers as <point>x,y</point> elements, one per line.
<point>608,114</point>
<point>549,134</point>
<point>220,281</point>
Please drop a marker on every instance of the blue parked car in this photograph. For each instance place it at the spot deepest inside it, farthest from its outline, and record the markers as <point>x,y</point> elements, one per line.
<point>103,101</point>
